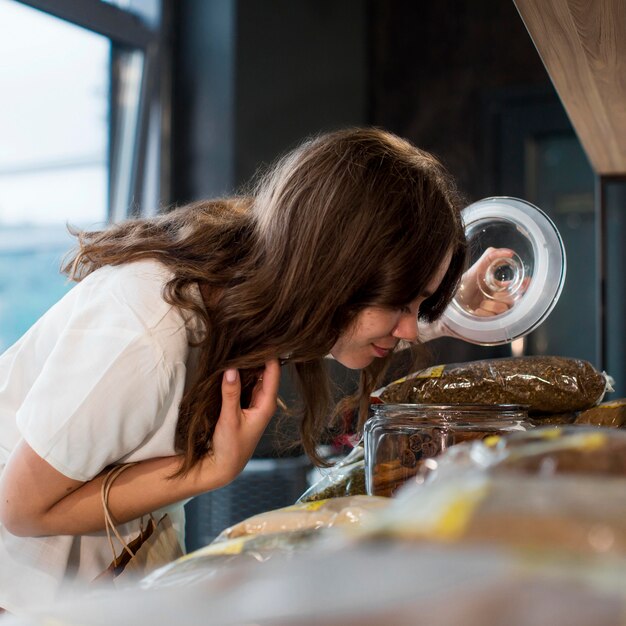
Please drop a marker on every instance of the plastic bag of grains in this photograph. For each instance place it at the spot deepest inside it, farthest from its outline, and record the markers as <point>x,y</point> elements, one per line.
<point>276,533</point>
<point>545,384</point>
<point>543,452</point>
<point>306,515</point>
<point>575,514</point>
<point>572,449</point>
<point>205,563</point>
<point>557,488</point>
<point>345,478</point>
<point>611,414</point>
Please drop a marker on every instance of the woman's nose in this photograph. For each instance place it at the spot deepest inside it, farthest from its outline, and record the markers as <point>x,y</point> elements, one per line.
<point>406,328</point>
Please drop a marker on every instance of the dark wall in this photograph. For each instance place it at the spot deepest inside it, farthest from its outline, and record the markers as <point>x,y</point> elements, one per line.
<point>301,69</point>
<point>252,79</point>
<point>614,282</point>
<point>203,98</point>
<point>434,69</point>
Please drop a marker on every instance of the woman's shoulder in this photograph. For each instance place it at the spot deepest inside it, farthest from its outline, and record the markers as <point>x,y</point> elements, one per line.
<point>135,292</point>
<point>140,272</point>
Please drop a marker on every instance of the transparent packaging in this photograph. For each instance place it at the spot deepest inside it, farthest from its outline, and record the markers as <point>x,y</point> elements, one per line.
<point>401,440</point>
<point>592,451</point>
<point>544,384</point>
<point>274,534</point>
<point>557,490</point>
<point>346,478</point>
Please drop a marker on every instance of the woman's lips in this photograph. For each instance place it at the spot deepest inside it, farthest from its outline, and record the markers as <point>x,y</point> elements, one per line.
<point>380,351</point>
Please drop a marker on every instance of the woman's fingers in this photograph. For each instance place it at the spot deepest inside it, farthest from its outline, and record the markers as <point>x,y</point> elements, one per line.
<point>499,253</point>
<point>266,390</point>
<point>231,393</point>
<point>495,307</point>
<point>264,396</point>
<point>488,308</point>
<point>489,256</point>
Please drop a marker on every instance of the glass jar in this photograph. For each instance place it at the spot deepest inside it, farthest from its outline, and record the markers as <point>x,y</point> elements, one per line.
<point>400,439</point>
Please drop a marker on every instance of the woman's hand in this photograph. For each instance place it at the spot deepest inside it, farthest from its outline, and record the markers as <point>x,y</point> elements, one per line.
<point>238,430</point>
<point>480,302</point>
<point>473,298</point>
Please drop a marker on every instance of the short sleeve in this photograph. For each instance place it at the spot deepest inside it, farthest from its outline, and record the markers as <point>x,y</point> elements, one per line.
<point>99,395</point>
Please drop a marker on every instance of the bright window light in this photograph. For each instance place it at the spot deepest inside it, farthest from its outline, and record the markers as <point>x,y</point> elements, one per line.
<point>54,125</point>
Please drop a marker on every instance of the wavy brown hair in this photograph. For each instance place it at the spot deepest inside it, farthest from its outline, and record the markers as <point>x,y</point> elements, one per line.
<point>349,219</point>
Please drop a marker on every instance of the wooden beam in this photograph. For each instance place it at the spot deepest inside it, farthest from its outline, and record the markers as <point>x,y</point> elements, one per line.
<point>582,44</point>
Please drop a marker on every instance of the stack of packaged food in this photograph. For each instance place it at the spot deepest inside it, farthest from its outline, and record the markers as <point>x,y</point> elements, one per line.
<point>420,416</point>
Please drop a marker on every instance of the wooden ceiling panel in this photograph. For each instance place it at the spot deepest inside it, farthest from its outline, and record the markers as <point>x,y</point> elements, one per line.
<point>582,44</point>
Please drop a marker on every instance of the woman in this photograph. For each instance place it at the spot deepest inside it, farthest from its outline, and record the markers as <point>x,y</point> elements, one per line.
<point>168,351</point>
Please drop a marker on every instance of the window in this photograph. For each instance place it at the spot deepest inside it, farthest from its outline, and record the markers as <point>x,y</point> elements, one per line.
<point>80,128</point>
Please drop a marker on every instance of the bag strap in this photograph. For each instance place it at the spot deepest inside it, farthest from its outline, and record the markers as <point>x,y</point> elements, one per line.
<point>109,525</point>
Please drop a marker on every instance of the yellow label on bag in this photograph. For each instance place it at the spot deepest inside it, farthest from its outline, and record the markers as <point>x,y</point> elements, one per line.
<point>575,441</point>
<point>315,505</point>
<point>454,519</point>
<point>306,506</point>
<point>491,441</point>
<point>592,441</point>
<point>430,372</point>
<point>231,546</point>
<point>611,405</point>
<point>552,433</point>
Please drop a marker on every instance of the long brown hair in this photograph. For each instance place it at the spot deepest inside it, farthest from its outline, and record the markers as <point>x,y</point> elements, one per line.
<point>349,219</point>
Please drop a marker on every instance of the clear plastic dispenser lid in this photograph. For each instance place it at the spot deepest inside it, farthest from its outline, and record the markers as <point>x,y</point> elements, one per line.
<point>516,272</point>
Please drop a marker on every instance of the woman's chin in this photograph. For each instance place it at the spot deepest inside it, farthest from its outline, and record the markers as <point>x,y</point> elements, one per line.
<point>355,363</point>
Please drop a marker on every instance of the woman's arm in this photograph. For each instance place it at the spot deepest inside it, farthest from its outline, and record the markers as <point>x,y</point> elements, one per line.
<point>37,500</point>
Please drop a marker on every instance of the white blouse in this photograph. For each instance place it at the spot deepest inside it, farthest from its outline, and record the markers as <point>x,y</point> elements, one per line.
<point>97,380</point>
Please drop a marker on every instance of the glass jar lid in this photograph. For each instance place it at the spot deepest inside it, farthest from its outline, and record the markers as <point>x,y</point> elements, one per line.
<point>516,272</point>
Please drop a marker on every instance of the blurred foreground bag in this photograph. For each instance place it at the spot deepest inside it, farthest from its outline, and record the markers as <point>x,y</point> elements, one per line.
<point>318,514</point>
<point>547,490</point>
<point>156,545</point>
<point>275,534</point>
<point>544,384</point>
<point>570,515</point>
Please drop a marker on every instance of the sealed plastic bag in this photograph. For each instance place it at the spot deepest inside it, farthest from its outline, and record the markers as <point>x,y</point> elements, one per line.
<point>574,514</point>
<point>397,583</point>
<point>306,515</point>
<point>345,478</point>
<point>556,488</point>
<point>546,452</point>
<point>267,535</point>
<point>563,450</point>
<point>611,414</point>
<point>545,385</point>
<point>205,563</point>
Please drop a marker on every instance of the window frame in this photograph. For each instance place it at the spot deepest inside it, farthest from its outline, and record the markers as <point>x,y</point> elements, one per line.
<point>127,30</point>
